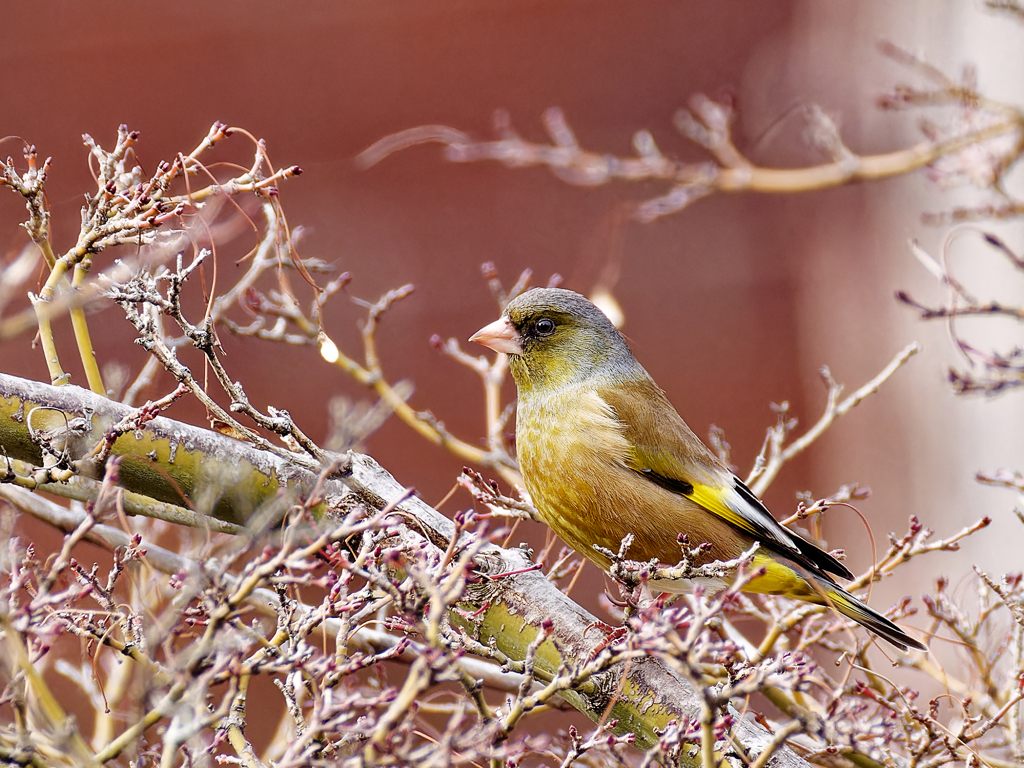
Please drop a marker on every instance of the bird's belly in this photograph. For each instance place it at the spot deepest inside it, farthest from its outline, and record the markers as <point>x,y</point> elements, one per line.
<point>572,453</point>
<point>569,465</point>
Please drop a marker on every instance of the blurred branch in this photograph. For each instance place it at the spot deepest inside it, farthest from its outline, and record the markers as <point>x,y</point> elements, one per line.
<point>988,371</point>
<point>1011,7</point>
<point>708,124</point>
<point>1007,478</point>
<point>775,453</point>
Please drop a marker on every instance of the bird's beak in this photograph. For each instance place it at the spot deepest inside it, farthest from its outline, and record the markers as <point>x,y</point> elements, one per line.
<point>500,336</point>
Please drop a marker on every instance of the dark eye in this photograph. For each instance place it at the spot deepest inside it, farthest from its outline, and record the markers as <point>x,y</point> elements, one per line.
<point>545,326</point>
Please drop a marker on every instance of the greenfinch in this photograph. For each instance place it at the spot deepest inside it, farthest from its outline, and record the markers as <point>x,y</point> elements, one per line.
<point>604,454</point>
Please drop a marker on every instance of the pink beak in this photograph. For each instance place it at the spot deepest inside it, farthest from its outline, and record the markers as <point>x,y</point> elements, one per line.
<point>500,336</point>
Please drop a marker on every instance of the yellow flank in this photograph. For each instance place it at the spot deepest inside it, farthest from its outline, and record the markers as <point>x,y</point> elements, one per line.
<point>780,579</point>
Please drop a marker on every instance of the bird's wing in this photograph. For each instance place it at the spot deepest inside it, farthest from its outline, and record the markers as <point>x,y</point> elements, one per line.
<point>665,451</point>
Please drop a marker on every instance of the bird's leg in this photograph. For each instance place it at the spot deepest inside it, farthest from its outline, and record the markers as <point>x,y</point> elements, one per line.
<point>612,636</point>
<point>634,592</point>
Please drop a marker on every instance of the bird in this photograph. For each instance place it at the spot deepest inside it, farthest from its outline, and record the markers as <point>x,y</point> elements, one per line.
<point>604,454</point>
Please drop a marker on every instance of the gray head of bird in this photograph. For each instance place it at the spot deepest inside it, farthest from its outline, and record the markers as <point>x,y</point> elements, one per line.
<point>555,338</point>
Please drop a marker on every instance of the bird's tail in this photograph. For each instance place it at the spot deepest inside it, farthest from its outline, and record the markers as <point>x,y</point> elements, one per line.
<point>784,577</point>
<point>848,605</point>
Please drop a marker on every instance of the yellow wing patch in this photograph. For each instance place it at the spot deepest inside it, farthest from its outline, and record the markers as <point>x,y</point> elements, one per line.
<point>714,500</point>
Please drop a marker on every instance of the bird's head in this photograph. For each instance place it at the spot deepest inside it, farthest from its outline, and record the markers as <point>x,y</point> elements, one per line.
<point>556,337</point>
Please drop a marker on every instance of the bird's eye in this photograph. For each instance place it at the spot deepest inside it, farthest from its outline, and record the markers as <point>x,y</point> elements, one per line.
<point>545,326</point>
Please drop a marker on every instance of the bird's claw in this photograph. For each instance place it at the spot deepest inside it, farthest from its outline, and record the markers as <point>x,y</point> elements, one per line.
<point>612,636</point>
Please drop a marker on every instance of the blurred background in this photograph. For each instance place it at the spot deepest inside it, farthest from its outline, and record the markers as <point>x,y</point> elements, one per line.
<point>732,304</point>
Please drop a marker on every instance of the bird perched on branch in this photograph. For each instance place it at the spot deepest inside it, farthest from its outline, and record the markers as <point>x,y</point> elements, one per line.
<point>605,455</point>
